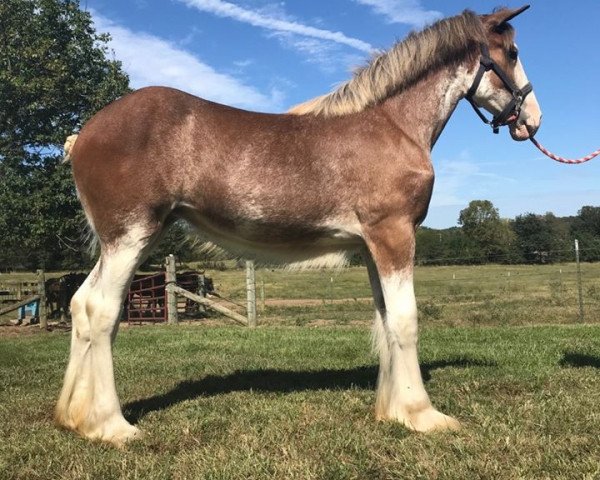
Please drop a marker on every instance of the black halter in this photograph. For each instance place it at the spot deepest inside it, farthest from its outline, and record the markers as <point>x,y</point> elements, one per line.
<point>518,95</point>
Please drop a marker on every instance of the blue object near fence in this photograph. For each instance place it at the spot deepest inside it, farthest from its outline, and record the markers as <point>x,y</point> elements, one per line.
<point>31,309</point>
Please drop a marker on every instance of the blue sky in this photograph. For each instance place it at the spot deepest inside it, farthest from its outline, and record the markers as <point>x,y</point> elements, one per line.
<point>269,55</point>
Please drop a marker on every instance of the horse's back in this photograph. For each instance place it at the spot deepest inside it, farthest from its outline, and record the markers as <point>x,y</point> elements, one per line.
<point>135,122</point>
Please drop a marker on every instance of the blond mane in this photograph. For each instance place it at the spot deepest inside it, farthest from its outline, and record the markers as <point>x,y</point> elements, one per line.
<point>449,40</point>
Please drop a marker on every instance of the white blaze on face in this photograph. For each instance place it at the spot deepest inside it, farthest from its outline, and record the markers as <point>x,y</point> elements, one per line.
<point>530,118</point>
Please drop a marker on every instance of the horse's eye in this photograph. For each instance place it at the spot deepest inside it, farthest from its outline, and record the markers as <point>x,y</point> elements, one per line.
<point>513,53</point>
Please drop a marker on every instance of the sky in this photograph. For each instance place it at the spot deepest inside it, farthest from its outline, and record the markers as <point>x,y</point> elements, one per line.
<point>268,55</point>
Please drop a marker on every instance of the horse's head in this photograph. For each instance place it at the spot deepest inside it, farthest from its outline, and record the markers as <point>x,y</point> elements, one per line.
<point>501,86</point>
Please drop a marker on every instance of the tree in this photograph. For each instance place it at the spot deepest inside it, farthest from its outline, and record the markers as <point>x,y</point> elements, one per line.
<point>540,238</point>
<point>55,73</point>
<point>492,236</point>
<point>178,240</point>
<point>587,221</point>
<point>586,228</point>
<point>443,247</point>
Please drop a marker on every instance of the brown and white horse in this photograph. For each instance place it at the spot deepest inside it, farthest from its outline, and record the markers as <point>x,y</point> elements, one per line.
<point>349,171</point>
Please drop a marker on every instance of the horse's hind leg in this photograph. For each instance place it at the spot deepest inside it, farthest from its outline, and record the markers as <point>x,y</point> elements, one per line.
<point>88,402</point>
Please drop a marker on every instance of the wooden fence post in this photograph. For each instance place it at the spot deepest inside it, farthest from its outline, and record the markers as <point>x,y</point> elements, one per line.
<point>202,290</point>
<point>41,279</point>
<point>251,292</point>
<point>262,295</point>
<point>171,280</point>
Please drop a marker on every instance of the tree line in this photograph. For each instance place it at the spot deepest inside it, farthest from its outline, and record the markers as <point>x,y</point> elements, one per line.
<point>56,71</point>
<point>484,237</point>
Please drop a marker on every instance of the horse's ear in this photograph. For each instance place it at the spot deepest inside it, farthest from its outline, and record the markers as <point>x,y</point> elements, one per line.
<point>498,19</point>
<point>510,14</point>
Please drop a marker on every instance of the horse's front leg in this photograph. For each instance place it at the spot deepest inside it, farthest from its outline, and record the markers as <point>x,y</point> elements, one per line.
<point>401,394</point>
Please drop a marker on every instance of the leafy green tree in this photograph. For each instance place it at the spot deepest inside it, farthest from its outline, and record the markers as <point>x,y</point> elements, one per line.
<point>55,73</point>
<point>540,238</point>
<point>492,237</point>
<point>586,228</point>
<point>587,221</point>
<point>179,240</point>
<point>429,246</point>
<point>444,247</point>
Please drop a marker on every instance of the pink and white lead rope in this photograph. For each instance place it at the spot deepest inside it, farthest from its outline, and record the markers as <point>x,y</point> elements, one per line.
<point>564,160</point>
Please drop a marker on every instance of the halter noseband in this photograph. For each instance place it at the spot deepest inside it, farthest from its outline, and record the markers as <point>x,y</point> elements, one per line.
<point>518,95</point>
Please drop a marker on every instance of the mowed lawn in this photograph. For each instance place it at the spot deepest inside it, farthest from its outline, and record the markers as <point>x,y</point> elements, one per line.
<point>290,402</point>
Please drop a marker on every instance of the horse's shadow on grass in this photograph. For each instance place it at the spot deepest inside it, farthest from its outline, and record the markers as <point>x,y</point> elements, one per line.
<point>578,360</point>
<point>280,381</point>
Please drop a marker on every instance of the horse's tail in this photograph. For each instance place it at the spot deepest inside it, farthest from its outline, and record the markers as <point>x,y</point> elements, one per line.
<point>90,238</point>
<point>69,144</point>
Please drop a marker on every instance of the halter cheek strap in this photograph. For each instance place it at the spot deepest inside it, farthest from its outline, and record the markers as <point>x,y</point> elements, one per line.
<point>518,95</point>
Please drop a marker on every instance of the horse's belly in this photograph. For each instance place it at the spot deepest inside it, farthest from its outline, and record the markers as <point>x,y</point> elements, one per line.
<point>293,242</point>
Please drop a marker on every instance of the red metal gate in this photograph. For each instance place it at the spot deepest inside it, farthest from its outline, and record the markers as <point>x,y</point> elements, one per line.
<point>146,299</point>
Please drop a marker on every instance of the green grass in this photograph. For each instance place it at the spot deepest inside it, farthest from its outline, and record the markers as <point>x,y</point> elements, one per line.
<point>296,403</point>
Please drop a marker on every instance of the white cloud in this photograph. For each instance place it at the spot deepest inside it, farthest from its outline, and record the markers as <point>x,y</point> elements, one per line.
<point>329,57</point>
<point>274,21</point>
<point>151,60</point>
<point>243,63</point>
<point>461,180</point>
<point>410,12</point>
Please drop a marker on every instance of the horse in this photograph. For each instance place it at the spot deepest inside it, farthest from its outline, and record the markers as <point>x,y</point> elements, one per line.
<point>59,292</point>
<point>346,172</point>
<point>70,283</point>
<point>52,288</point>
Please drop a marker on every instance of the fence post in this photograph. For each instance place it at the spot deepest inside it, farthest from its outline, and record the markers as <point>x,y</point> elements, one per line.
<point>251,292</point>
<point>41,279</point>
<point>202,290</point>
<point>579,289</point>
<point>262,295</point>
<point>171,279</point>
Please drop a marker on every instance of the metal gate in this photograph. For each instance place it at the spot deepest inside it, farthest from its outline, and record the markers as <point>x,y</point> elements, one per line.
<point>146,299</point>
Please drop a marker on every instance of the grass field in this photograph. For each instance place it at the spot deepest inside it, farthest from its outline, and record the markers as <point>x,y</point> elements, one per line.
<point>501,349</point>
<point>296,403</point>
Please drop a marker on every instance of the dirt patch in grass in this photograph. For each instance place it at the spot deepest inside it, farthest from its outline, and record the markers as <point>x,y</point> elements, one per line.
<point>27,330</point>
<point>309,302</point>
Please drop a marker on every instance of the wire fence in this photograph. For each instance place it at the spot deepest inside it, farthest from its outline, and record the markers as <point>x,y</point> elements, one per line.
<point>455,295</point>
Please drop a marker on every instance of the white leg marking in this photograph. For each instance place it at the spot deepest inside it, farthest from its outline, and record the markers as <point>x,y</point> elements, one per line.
<point>88,402</point>
<point>401,394</point>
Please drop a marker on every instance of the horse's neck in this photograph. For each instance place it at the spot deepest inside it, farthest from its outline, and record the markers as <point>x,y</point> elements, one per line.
<point>423,110</point>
